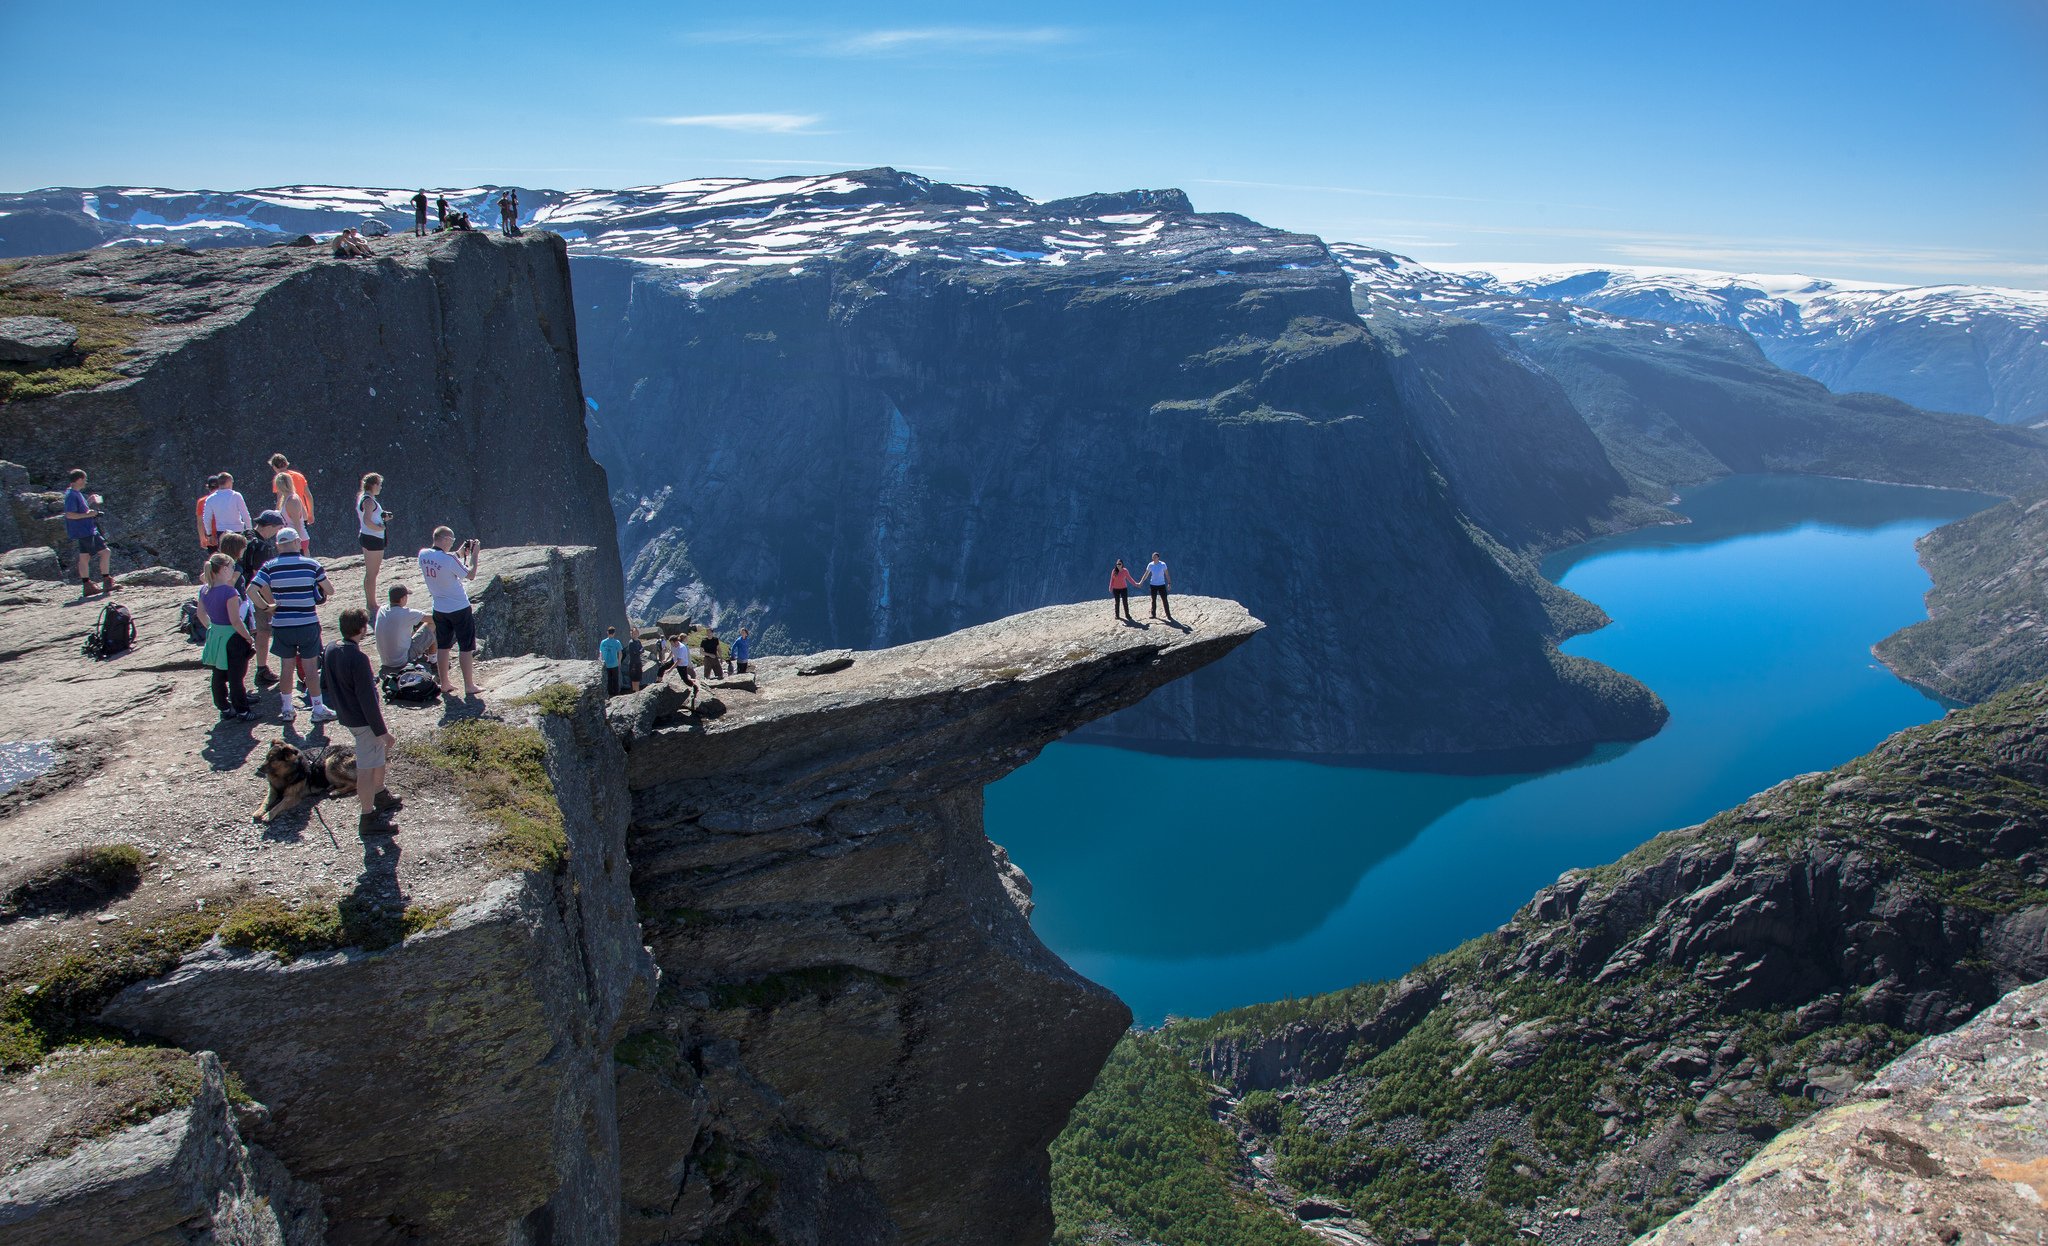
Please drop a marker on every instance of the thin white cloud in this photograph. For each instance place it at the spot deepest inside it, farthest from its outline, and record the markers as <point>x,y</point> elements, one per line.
<point>947,39</point>
<point>897,41</point>
<point>747,122</point>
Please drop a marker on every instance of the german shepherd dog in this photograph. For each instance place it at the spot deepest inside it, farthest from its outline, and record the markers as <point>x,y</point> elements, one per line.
<point>294,774</point>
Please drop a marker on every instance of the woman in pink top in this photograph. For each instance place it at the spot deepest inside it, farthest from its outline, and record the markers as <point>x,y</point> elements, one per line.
<point>293,505</point>
<point>1120,582</point>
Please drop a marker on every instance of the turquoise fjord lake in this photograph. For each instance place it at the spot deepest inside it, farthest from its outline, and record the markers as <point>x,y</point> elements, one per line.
<point>1189,885</point>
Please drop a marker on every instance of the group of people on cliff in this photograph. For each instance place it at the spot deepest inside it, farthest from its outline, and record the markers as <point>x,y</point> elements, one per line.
<point>646,659</point>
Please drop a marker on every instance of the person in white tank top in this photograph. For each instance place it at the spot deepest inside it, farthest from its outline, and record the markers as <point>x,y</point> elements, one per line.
<point>370,520</point>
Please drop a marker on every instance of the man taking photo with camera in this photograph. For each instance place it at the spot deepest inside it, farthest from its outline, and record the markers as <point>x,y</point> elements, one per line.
<point>447,569</point>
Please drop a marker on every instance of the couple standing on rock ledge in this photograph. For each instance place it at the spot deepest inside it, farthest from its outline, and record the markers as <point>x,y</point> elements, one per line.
<point>1156,577</point>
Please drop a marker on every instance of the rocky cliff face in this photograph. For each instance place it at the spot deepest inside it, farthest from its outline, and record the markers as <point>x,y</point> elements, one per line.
<point>447,364</point>
<point>870,446</point>
<point>1637,1032</point>
<point>1985,631</point>
<point>456,1036</point>
<point>1944,1144</point>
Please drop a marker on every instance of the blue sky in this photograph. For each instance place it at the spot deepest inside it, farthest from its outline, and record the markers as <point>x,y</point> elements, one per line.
<point>1897,141</point>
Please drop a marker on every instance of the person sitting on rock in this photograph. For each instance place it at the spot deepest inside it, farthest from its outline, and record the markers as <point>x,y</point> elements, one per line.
<point>404,635</point>
<point>348,681</point>
<point>349,244</point>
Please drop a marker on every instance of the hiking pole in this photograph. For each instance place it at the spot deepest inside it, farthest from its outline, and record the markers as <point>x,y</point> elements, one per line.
<point>321,814</point>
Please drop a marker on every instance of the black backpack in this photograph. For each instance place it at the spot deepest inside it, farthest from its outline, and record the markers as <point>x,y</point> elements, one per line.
<point>412,685</point>
<point>191,624</point>
<point>260,550</point>
<point>115,634</point>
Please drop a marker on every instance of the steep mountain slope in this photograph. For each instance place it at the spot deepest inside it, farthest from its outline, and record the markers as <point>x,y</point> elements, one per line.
<point>1981,350</point>
<point>1987,628</point>
<point>1638,1031</point>
<point>1683,400</point>
<point>448,364</point>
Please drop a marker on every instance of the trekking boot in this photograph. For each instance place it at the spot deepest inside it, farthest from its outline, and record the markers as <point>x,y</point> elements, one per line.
<point>109,582</point>
<point>387,803</point>
<point>265,677</point>
<point>85,589</point>
<point>378,823</point>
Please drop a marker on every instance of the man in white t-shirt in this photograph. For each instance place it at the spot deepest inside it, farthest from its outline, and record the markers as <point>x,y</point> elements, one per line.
<point>448,571</point>
<point>404,635</point>
<point>1160,581</point>
<point>225,510</point>
<point>679,653</point>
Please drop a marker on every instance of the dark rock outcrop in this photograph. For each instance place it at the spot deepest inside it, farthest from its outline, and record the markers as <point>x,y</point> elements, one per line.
<point>448,364</point>
<point>34,339</point>
<point>858,1038</point>
<point>1944,1144</point>
<point>1987,627</point>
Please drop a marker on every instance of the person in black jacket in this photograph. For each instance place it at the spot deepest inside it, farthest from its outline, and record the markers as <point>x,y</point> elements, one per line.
<point>349,683</point>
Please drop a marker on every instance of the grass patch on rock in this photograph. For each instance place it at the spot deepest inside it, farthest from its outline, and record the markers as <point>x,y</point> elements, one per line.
<point>82,880</point>
<point>104,336</point>
<point>271,925</point>
<point>560,699</point>
<point>51,1001</point>
<point>502,772</point>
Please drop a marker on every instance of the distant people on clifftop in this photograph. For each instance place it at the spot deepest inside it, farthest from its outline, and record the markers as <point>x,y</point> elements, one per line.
<point>350,244</point>
<point>1160,581</point>
<point>742,651</point>
<point>508,213</point>
<point>679,657</point>
<point>632,662</point>
<point>82,526</point>
<point>611,652</point>
<point>713,667</point>
<point>441,211</point>
<point>370,520</point>
<point>419,213</point>
<point>1120,582</point>
<point>448,572</point>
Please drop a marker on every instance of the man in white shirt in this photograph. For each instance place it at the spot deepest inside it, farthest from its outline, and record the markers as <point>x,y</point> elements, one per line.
<point>447,571</point>
<point>679,653</point>
<point>225,510</point>
<point>404,635</point>
<point>1160,581</point>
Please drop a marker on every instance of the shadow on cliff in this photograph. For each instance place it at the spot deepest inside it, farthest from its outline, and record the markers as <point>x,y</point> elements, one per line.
<point>1129,857</point>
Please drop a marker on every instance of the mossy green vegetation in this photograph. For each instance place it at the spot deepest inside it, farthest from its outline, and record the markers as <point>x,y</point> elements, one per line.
<point>501,770</point>
<point>560,699</point>
<point>82,880</point>
<point>270,925</point>
<point>1142,1154</point>
<point>104,336</point>
<point>51,1001</point>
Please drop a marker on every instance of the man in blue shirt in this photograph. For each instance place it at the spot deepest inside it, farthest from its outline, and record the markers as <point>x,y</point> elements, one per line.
<point>82,525</point>
<point>608,651</point>
<point>741,651</point>
<point>293,586</point>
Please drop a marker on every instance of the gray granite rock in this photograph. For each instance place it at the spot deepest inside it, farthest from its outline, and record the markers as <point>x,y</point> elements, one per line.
<point>37,562</point>
<point>34,339</point>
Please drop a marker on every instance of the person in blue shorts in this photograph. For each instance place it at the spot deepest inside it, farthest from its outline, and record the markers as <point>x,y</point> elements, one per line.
<point>82,525</point>
<point>292,586</point>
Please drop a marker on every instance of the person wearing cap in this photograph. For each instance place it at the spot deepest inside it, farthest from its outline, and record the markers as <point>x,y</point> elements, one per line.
<point>293,586</point>
<point>261,549</point>
<point>223,510</point>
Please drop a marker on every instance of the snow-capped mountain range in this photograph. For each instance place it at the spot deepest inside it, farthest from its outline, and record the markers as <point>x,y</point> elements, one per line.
<point>1982,350</point>
<point>1975,349</point>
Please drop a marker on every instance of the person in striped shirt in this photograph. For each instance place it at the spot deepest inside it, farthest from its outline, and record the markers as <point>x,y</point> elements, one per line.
<point>293,586</point>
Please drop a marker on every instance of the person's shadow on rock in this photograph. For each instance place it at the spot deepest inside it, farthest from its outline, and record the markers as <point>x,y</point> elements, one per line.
<point>228,746</point>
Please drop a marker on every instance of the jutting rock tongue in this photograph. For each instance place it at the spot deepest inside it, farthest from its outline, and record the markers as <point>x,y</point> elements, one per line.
<point>858,1036</point>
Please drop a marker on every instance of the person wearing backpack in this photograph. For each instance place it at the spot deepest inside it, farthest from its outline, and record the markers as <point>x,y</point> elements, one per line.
<point>229,645</point>
<point>294,586</point>
<point>82,525</point>
<point>261,549</point>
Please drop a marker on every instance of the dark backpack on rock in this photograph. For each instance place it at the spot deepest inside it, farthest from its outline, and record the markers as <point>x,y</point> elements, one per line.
<point>191,624</point>
<point>412,685</point>
<point>115,634</point>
